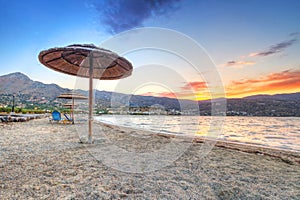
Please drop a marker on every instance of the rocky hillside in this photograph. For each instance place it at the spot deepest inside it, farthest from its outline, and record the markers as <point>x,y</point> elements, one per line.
<point>20,84</point>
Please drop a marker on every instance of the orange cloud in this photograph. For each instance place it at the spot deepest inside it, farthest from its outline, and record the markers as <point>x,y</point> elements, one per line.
<point>168,94</point>
<point>190,90</point>
<point>148,94</point>
<point>287,81</point>
<point>253,54</point>
<point>196,85</point>
<point>281,82</point>
<point>164,94</point>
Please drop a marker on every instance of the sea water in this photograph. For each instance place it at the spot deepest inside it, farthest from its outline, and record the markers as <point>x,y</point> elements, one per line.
<point>273,132</point>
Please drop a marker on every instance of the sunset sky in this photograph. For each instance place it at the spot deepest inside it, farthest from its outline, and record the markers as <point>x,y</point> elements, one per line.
<point>253,44</point>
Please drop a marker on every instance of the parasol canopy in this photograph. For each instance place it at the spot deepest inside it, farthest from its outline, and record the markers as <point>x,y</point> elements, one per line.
<point>69,105</point>
<point>87,61</point>
<point>72,95</point>
<point>72,60</point>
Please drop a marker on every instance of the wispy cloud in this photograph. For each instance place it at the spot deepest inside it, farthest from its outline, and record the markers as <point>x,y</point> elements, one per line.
<point>194,85</point>
<point>121,15</point>
<point>162,94</point>
<point>274,49</point>
<point>189,90</point>
<point>148,94</point>
<point>295,34</point>
<point>169,94</point>
<point>238,64</point>
<point>285,81</point>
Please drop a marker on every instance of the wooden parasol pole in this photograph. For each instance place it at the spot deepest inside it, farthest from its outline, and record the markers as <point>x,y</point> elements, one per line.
<point>72,109</point>
<point>90,98</point>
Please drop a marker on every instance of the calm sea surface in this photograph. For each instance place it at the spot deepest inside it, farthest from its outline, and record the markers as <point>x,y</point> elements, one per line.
<point>274,132</point>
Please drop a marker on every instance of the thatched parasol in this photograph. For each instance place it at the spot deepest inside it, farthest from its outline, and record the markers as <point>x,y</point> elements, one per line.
<point>87,61</point>
<point>73,96</point>
<point>69,105</point>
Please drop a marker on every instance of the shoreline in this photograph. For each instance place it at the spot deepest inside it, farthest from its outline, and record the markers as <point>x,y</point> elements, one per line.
<point>259,116</point>
<point>284,137</point>
<point>288,156</point>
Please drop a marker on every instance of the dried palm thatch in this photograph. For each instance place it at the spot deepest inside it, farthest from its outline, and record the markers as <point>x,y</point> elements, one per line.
<point>72,95</point>
<point>76,60</point>
<point>68,105</point>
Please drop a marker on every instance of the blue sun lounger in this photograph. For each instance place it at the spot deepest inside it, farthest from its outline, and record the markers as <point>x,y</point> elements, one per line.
<point>56,116</point>
<point>68,118</point>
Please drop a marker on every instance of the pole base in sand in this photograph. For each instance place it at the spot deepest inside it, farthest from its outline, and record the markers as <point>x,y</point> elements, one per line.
<point>90,140</point>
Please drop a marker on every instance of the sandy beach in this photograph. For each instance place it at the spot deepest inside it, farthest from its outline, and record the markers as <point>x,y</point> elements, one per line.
<point>40,160</point>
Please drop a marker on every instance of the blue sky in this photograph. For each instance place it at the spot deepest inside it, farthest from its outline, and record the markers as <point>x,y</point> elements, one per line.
<point>235,34</point>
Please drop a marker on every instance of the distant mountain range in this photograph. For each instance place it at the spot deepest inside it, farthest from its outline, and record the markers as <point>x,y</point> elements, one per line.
<point>18,83</point>
<point>291,96</point>
<point>34,92</point>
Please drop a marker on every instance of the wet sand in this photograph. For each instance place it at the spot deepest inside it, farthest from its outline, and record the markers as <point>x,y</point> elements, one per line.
<point>40,160</point>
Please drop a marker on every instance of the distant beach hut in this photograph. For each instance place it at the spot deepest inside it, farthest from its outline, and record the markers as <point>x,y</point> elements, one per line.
<point>87,61</point>
<point>72,96</point>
